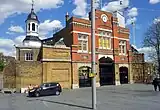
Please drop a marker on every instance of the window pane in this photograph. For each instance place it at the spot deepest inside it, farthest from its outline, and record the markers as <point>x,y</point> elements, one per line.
<point>122,45</point>
<point>84,37</point>
<point>119,48</point>
<point>53,84</point>
<point>33,27</point>
<point>109,43</point>
<point>79,45</point>
<point>82,42</point>
<point>79,37</point>
<point>105,42</point>
<point>85,45</point>
<point>123,49</point>
<point>31,56</point>
<point>46,85</point>
<point>28,56</point>
<point>29,26</point>
<point>101,32</point>
<point>101,42</point>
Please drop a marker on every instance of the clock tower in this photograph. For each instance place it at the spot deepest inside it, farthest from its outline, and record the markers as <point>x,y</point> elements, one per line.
<point>104,18</point>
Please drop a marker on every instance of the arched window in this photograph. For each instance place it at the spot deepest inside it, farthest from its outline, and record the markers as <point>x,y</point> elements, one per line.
<point>33,27</point>
<point>29,26</point>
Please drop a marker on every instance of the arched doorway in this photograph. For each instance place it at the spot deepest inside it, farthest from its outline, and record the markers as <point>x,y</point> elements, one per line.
<point>123,75</point>
<point>84,79</point>
<point>106,71</point>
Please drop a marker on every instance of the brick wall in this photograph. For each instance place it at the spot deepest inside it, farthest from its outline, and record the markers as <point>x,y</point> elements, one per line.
<point>138,67</point>
<point>28,73</point>
<point>9,75</point>
<point>1,80</point>
<point>57,66</point>
<point>57,72</point>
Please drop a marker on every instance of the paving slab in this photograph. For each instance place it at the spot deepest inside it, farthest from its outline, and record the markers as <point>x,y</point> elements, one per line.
<point>123,97</point>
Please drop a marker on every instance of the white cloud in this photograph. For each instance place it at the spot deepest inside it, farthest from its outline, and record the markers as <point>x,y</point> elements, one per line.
<point>10,33</point>
<point>81,8</point>
<point>18,40</point>
<point>97,3</point>
<point>116,5</point>
<point>121,5</point>
<point>154,1</point>
<point>17,29</point>
<point>10,7</point>
<point>7,45</point>
<point>133,12</point>
<point>11,52</point>
<point>147,52</point>
<point>124,4</point>
<point>49,26</point>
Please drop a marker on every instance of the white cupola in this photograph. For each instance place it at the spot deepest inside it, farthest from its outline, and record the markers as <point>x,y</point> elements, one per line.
<point>32,28</point>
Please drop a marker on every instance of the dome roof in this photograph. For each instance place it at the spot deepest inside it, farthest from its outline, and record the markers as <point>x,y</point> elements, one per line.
<point>32,41</point>
<point>32,16</point>
<point>32,38</point>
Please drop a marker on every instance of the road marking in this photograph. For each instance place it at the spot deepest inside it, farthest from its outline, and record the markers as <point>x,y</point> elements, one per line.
<point>45,103</point>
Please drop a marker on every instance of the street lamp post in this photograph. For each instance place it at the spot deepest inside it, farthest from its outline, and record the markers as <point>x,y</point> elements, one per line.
<point>133,32</point>
<point>93,54</point>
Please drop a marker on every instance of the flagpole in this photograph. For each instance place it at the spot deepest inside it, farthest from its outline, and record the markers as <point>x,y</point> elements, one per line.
<point>101,4</point>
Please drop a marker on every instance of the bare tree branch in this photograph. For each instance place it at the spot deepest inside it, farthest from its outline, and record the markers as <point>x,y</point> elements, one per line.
<point>152,39</point>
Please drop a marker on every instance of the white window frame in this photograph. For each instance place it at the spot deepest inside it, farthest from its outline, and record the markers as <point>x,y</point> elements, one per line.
<point>122,43</point>
<point>82,39</point>
<point>29,56</point>
<point>103,37</point>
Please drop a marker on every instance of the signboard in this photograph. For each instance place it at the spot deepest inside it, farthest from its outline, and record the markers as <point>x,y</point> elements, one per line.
<point>91,75</point>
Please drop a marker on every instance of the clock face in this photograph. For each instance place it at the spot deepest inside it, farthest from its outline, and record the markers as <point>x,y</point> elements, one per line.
<point>104,18</point>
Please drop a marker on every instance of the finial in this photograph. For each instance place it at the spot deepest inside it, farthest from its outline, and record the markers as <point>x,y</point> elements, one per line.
<point>32,5</point>
<point>67,14</point>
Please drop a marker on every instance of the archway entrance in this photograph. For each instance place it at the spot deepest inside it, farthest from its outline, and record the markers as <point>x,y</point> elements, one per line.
<point>106,71</point>
<point>123,75</point>
<point>84,79</point>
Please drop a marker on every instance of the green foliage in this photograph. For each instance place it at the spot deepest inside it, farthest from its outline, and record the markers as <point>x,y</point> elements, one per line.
<point>1,65</point>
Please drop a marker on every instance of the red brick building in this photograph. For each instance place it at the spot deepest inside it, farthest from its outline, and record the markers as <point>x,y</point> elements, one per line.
<point>66,57</point>
<point>112,49</point>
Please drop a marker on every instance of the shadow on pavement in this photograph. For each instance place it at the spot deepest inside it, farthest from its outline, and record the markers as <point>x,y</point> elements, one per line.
<point>145,91</point>
<point>63,103</point>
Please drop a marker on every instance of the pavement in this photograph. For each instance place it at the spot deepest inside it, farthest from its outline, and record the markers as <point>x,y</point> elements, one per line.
<point>123,97</point>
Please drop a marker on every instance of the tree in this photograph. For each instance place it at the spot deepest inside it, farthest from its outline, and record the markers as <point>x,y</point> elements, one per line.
<point>1,66</point>
<point>152,39</point>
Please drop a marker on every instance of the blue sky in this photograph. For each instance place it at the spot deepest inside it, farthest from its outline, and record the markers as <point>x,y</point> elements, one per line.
<point>51,15</point>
